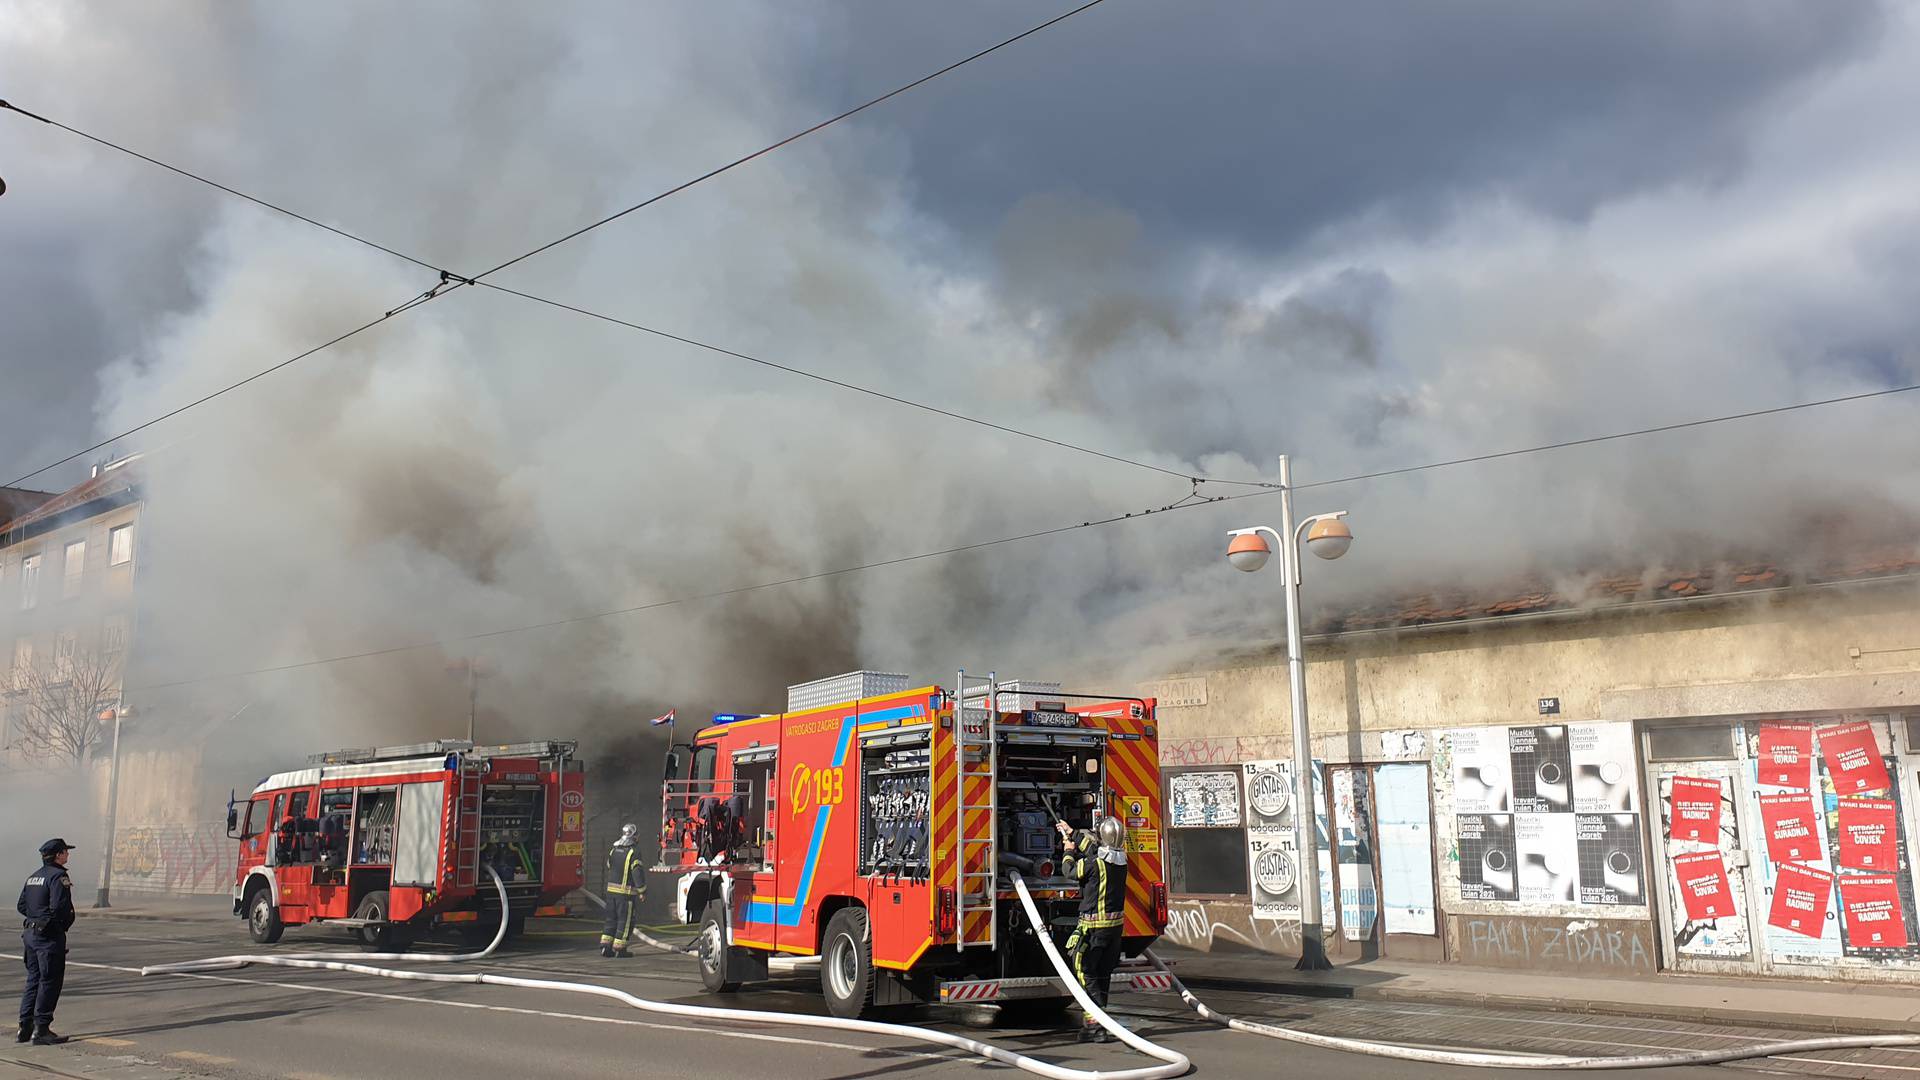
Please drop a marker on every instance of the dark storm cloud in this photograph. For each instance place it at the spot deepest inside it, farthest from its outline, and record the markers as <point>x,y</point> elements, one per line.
<point>1259,122</point>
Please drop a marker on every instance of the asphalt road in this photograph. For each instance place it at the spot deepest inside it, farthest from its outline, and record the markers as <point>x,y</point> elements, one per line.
<point>269,1022</point>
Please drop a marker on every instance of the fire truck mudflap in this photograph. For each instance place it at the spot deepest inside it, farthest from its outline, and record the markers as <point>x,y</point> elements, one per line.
<point>963,991</point>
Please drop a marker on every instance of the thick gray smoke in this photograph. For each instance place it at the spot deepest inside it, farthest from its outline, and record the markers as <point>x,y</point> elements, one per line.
<point>1462,257</point>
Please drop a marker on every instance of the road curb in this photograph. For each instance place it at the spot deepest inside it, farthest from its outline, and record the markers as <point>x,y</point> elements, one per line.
<point>1696,1013</point>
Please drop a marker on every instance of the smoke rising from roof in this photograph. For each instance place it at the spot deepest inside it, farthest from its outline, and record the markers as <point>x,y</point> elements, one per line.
<point>482,463</point>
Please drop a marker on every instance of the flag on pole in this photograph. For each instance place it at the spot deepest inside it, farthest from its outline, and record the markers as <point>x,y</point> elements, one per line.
<point>667,718</point>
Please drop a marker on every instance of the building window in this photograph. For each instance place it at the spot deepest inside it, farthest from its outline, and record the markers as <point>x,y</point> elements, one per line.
<point>1710,741</point>
<point>76,566</point>
<point>113,640</point>
<point>63,656</point>
<point>120,546</point>
<point>22,663</point>
<point>29,582</point>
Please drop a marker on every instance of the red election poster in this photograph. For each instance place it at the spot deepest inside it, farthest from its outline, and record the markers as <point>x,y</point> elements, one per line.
<point>1786,755</point>
<point>1696,810</point>
<point>1800,896</point>
<point>1867,834</point>
<point>1788,821</point>
<point>1702,878</point>
<point>1853,758</point>
<point>1872,904</point>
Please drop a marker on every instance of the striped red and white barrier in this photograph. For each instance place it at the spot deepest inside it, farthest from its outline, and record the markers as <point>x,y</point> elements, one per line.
<point>1153,981</point>
<point>970,991</point>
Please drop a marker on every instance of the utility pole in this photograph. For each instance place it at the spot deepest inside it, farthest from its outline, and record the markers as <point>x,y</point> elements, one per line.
<point>103,897</point>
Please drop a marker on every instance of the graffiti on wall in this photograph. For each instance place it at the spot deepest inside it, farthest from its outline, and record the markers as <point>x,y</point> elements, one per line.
<point>185,859</point>
<point>1549,945</point>
<point>1226,750</point>
<point>1202,924</point>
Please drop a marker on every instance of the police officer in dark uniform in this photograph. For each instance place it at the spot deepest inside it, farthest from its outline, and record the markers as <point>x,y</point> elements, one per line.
<point>46,905</point>
<point>1098,860</point>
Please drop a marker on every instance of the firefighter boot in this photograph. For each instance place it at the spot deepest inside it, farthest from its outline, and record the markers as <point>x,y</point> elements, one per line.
<point>26,1031</point>
<point>1091,1032</point>
<point>43,1036</point>
<point>606,951</point>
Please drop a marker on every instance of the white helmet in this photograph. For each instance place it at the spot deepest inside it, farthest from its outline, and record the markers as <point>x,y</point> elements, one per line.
<point>627,834</point>
<point>1110,833</point>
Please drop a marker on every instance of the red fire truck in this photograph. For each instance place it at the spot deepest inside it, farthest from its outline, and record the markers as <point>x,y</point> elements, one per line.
<point>870,829</point>
<point>395,840</point>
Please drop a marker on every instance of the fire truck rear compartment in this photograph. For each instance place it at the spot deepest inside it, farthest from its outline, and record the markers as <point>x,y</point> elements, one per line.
<point>1039,784</point>
<point>512,842</point>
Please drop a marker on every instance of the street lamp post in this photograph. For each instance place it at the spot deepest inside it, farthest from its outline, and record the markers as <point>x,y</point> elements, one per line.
<point>1327,537</point>
<point>103,897</point>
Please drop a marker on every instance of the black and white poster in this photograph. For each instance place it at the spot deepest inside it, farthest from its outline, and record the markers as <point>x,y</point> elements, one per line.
<point>1542,770</point>
<point>1273,865</point>
<point>1610,867</point>
<point>1487,857</point>
<point>1604,777</point>
<point>1544,851</point>
<point>1572,834</point>
<point>1480,766</point>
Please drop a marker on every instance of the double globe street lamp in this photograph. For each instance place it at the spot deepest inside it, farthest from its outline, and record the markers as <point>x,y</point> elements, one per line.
<point>1328,537</point>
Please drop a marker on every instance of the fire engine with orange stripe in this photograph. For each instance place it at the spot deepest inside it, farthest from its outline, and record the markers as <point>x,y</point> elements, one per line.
<point>868,832</point>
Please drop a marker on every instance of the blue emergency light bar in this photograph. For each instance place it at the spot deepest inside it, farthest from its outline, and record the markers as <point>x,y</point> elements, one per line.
<point>730,717</point>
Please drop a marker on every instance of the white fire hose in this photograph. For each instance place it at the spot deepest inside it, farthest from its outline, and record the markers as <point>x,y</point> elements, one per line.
<point>1532,1061</point>
<point>1176,1064</point>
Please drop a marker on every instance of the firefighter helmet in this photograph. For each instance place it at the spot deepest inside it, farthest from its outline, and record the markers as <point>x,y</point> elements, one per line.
<point>627,834</point>
<point>1111,834</point>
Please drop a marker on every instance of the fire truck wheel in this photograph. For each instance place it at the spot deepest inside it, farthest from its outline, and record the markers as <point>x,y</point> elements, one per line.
<point>263,919</point>
<point>382,938</point>
<point>717,972</point>
<point>846,964</point>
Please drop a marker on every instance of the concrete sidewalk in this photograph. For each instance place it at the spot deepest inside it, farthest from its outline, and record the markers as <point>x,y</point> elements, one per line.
<point>159,906</point>
<point>1842,1008</point>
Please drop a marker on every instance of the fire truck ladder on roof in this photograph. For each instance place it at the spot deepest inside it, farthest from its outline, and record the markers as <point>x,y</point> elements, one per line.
<point>976,746</point>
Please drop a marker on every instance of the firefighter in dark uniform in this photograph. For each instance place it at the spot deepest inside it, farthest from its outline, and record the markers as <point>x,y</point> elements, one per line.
<point>46,906</point>
<point>626,888</point>
<point>1098,860</point>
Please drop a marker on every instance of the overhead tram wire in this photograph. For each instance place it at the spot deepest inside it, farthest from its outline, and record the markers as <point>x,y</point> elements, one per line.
<point>229,388</point>
<point>452,281</point>
<point>857,388</point>
<point>1192,501</point>
<point>795,137</point>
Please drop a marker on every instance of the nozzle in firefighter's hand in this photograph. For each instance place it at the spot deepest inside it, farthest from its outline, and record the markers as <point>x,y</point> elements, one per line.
<point>1066,830</point>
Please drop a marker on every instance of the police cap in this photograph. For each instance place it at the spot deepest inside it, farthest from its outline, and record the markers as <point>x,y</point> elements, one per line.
<point>54,847</point>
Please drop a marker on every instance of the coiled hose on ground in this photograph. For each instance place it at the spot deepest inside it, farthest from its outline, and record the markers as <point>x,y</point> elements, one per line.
<point>1175,1063</point>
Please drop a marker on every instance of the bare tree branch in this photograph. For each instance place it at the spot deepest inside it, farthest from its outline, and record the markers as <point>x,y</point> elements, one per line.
<point>57,706</point>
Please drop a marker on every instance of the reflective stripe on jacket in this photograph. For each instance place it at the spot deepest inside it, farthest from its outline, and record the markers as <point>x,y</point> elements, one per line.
<point>1103,886</point>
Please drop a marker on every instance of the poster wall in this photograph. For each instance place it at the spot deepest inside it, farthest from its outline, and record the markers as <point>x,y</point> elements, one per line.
<point>1207,800</point>
<point>1833,864</point>
<point>1273,861</point>
<point>1548,814</point>
<point>1702,894</point>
